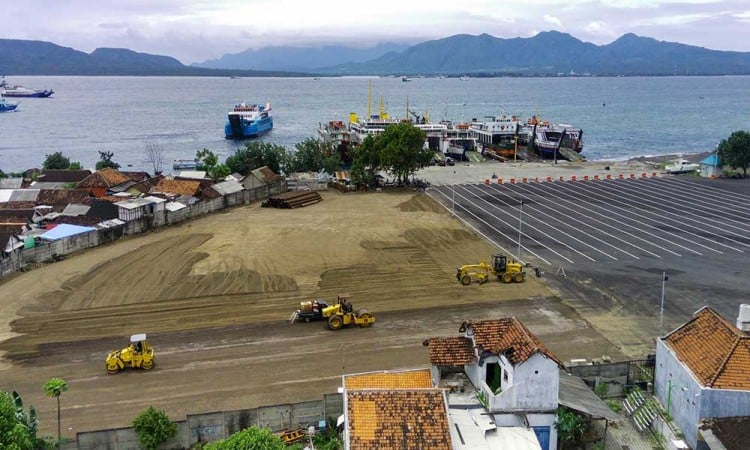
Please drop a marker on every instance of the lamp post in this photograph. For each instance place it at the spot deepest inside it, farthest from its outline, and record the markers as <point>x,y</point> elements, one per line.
<point>520,224</point>
<point>453,196</point>
<point>664,279</point>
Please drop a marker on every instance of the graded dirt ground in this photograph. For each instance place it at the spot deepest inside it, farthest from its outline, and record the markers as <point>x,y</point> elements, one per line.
<point>215,296</point>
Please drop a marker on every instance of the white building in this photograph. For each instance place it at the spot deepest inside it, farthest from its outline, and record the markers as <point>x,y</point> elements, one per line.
<point>703,370</point>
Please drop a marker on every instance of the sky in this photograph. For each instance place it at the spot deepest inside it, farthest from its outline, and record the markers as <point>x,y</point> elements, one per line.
<point>198,30</point>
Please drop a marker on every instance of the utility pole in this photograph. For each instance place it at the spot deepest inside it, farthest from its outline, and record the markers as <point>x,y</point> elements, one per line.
<point>520,223</point>
<point>453,192</point>
<point>664,279</point>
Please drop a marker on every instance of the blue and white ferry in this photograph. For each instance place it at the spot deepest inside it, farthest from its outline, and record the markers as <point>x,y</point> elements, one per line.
<point>248,121</point>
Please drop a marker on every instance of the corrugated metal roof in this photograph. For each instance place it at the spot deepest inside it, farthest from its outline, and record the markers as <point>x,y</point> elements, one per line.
<point>711,160</point>
<point>134,203</point>
<point>193,174</point>
<point>5,195</point>
<point>576,395</point>
<point>10,183</point>
<point>24,195</point>
<point>227,187</point>
<point>153,199</point>
<point>174,206</point>
<point>75,209</point>
<point>65,230</point>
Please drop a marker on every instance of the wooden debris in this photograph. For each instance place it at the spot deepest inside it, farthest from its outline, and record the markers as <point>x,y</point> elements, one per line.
<point>293,199</point>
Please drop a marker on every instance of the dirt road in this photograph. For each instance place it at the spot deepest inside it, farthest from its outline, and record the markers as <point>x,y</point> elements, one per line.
<point>215,296</point>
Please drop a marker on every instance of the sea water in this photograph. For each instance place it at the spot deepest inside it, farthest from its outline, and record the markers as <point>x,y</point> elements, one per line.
<point>620,117</point>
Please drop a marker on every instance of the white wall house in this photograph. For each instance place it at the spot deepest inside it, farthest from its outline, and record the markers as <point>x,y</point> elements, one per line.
<point>516,374</point>
<point>703,370</point>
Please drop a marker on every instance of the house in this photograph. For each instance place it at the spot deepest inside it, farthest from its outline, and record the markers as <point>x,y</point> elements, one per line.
<point>711,166</point>
<point>227,187</point>
<point>177,187</point>
<point>102,181</point>
<point>62,176</point>
<point>515,374</point>
<point>260,177</point>
<point>703,370</point>
<point>139,207</point>
<point>394,411</point>
<point>58,199</point>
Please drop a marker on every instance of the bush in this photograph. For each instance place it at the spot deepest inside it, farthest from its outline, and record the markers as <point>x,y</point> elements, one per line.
<point>252,438</point>
<point>154,428</point>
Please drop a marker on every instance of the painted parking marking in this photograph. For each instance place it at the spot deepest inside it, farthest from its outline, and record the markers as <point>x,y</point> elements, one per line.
<point>739,201</point>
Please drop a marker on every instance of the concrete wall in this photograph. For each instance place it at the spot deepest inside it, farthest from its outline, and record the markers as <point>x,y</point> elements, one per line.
<point>49,251</point>
<point>532,384</point>
<point>615,375</point>
<point>212,426</point>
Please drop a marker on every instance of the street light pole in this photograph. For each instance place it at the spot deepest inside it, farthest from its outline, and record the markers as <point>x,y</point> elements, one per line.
<point>453,192</point>
<point>664,279</point>
<point>520,223</point>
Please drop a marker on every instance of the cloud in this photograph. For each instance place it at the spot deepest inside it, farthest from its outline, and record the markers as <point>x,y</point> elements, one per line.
<point>553,20</point>
<point>673,20</point>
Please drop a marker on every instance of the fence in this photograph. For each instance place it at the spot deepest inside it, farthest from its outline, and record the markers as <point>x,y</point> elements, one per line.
<point>23,259</point>
<point>617,375</point>
<point>208,427</point>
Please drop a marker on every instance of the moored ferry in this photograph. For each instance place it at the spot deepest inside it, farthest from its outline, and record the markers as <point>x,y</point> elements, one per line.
<point>248,121</point>
<point>20,91</point>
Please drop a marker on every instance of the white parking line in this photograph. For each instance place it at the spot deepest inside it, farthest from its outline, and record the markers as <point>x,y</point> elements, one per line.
<point>731,202</point>
<point>537,229</point>
<point>619,230</point>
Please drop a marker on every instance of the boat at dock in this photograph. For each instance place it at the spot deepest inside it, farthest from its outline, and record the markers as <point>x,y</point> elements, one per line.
<point>248,121</point>
<point>185,164</point>
<point>20,91</point>
<point>550,140</point>
<point>6,106</point>
<point>680,166</point>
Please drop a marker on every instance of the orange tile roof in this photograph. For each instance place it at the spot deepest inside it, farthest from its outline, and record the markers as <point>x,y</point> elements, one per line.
<point>451,351</point>
<point>714,350</point>
<point>507,336</point>
<point>396,420</point>
<point>390,380</point>
<point>179,187</point>
<point>104,178</point>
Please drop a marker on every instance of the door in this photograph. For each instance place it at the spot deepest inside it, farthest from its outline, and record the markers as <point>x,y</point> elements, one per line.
<point>542,435</point>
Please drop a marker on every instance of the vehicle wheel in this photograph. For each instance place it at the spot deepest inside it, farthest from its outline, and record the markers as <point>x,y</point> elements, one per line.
<point>466,280</point>
<point>112,368</point>
<point>307,320</point>
<point>365,316</point>
<point>507,278</point>
<point>335,323</point>
<point>518,278</point>
<point>147,365</point>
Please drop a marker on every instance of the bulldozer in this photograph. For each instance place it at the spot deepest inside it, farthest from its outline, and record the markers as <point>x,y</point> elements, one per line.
<point>506,271</point>
<point>342,313</point>
<point>139,354</point>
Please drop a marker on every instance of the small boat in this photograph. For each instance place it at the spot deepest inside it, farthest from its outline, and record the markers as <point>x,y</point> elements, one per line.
<point>551,140</point>
<point>405,79</point>
<point>248,121</point>
<point>6,106</point>
<point>20,91</point>
<point>679,166</point>
<point>185,164</point>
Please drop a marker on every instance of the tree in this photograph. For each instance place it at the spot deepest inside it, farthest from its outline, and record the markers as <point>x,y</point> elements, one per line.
<point>312,155</point>
<point>256,154</point>
<point>210,163</point>
<point>15,432</point>
<point>569,425</point>
<point>252,438</point>
<point>56,161</point>
<point>154,428</point>
<point>75,165</point>
<point>402,151</point>
<point>735,151</point>
<point>54,388</point>
<point>105,160</point>
<point>155,155</point>
<point>366,161</point>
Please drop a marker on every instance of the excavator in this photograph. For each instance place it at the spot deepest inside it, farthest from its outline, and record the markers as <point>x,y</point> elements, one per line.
<point>505,271</point>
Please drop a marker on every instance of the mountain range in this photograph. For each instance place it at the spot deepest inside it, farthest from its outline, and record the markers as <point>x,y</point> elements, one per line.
<point>548,53</point>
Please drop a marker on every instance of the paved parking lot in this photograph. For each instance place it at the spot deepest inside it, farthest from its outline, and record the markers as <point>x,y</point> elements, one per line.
<point>614,239</point>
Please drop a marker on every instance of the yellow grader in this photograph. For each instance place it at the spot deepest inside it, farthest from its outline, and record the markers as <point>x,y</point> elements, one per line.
<point>139,354</point>
<point>506,271</point>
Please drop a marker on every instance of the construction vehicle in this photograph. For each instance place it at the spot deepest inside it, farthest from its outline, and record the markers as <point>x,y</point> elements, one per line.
<point>342,313</point>
<point>139,354</point>
<point>506,271</point>
<point>310,311</point>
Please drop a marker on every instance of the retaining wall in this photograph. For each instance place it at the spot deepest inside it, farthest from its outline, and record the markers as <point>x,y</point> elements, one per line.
<point>212,426</point>
<point>46,252</point>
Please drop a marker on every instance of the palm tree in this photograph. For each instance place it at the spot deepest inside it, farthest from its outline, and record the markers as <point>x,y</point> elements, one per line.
<point>54,388</point>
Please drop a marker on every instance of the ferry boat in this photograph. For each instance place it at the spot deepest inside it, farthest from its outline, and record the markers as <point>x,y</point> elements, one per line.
<point>20,91</point>
<point>6,106</point>
<point>551,140</point>
<point>248,121</point>
<point>497,135</point>
<point>185,164</point>
<point>458,142</point>
<point>337,135</point>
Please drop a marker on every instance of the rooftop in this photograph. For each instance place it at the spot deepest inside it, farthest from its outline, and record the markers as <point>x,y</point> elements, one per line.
<point>714,350</point>
<point>389,380</point>
<point>451,351</point>
<point>507,336</point>
<point>104,178</point>
<point>179,187</point>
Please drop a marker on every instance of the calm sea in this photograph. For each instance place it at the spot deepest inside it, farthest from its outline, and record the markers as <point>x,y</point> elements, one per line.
<point>621,117</point>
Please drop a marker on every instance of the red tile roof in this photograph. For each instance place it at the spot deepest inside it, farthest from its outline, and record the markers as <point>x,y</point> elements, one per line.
<point>396,420</point>
<point>507,336</point>
<point>61,197</point>
<point>104,178</point>
<point>136,176</point>
<point>714,350</point>
<point>451,351</point>
<point>179,187</point>
<point>63,176</point>
<point>389,380</point>
<point>267,175</point>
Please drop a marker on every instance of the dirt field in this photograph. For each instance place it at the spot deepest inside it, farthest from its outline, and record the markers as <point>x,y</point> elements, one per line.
<point>215,296</point>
